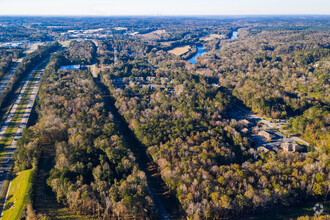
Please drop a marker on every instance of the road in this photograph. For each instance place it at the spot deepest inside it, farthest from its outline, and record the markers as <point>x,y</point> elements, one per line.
<point>34,47</point>
<point>6,164</point>
<point>6,79</point>
<point>255,117</point>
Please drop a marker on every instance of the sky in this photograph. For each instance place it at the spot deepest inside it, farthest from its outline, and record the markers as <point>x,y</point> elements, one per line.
<point>163,7</point>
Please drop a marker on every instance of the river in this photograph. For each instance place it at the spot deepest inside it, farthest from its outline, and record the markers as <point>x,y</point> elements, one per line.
<point>234,35</point>
<point>200,51</point>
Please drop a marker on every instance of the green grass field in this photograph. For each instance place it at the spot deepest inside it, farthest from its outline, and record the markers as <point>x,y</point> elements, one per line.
<point>17,195</point>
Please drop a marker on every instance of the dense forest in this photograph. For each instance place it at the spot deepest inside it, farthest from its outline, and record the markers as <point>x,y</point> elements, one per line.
<point>94,172</point>
<point>183,122</point>
<point>183,114</point>
<point>203,157</point>
<point>313,124</point>
<point>81,52</point>
<point>280,74</point>
<point>276,73</point>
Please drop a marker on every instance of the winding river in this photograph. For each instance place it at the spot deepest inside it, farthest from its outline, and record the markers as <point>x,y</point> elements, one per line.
<point>201,49</point>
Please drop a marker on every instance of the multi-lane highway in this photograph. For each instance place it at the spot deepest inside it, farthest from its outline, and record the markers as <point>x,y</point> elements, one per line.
<point>6,79</point>
<point>15,121</point>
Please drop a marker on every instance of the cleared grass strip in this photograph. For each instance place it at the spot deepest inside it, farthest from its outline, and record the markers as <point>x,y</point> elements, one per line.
<point>17,196</point>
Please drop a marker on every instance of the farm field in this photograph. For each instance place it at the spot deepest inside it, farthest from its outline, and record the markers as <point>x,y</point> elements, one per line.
<point>153,35</point>
<point>180,50</point>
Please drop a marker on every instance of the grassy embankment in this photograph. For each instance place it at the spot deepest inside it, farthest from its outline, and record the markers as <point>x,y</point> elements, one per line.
<point>9,135</point>
<point>18,195</point>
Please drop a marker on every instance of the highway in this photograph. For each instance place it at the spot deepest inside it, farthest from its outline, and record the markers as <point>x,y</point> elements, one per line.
<point>6,79</point>
<point>6,163</point>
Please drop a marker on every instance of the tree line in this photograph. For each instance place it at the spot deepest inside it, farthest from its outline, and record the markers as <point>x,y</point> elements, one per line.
<point>25,67</point>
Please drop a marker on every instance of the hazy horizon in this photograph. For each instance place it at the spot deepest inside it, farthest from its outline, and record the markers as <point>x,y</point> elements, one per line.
<point>163,8</point>
<point>164,16</point>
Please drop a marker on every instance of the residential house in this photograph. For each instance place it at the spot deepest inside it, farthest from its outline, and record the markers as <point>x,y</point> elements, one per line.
<point>245,123</point>
<point>266,135</point>
<point>292,147</point>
